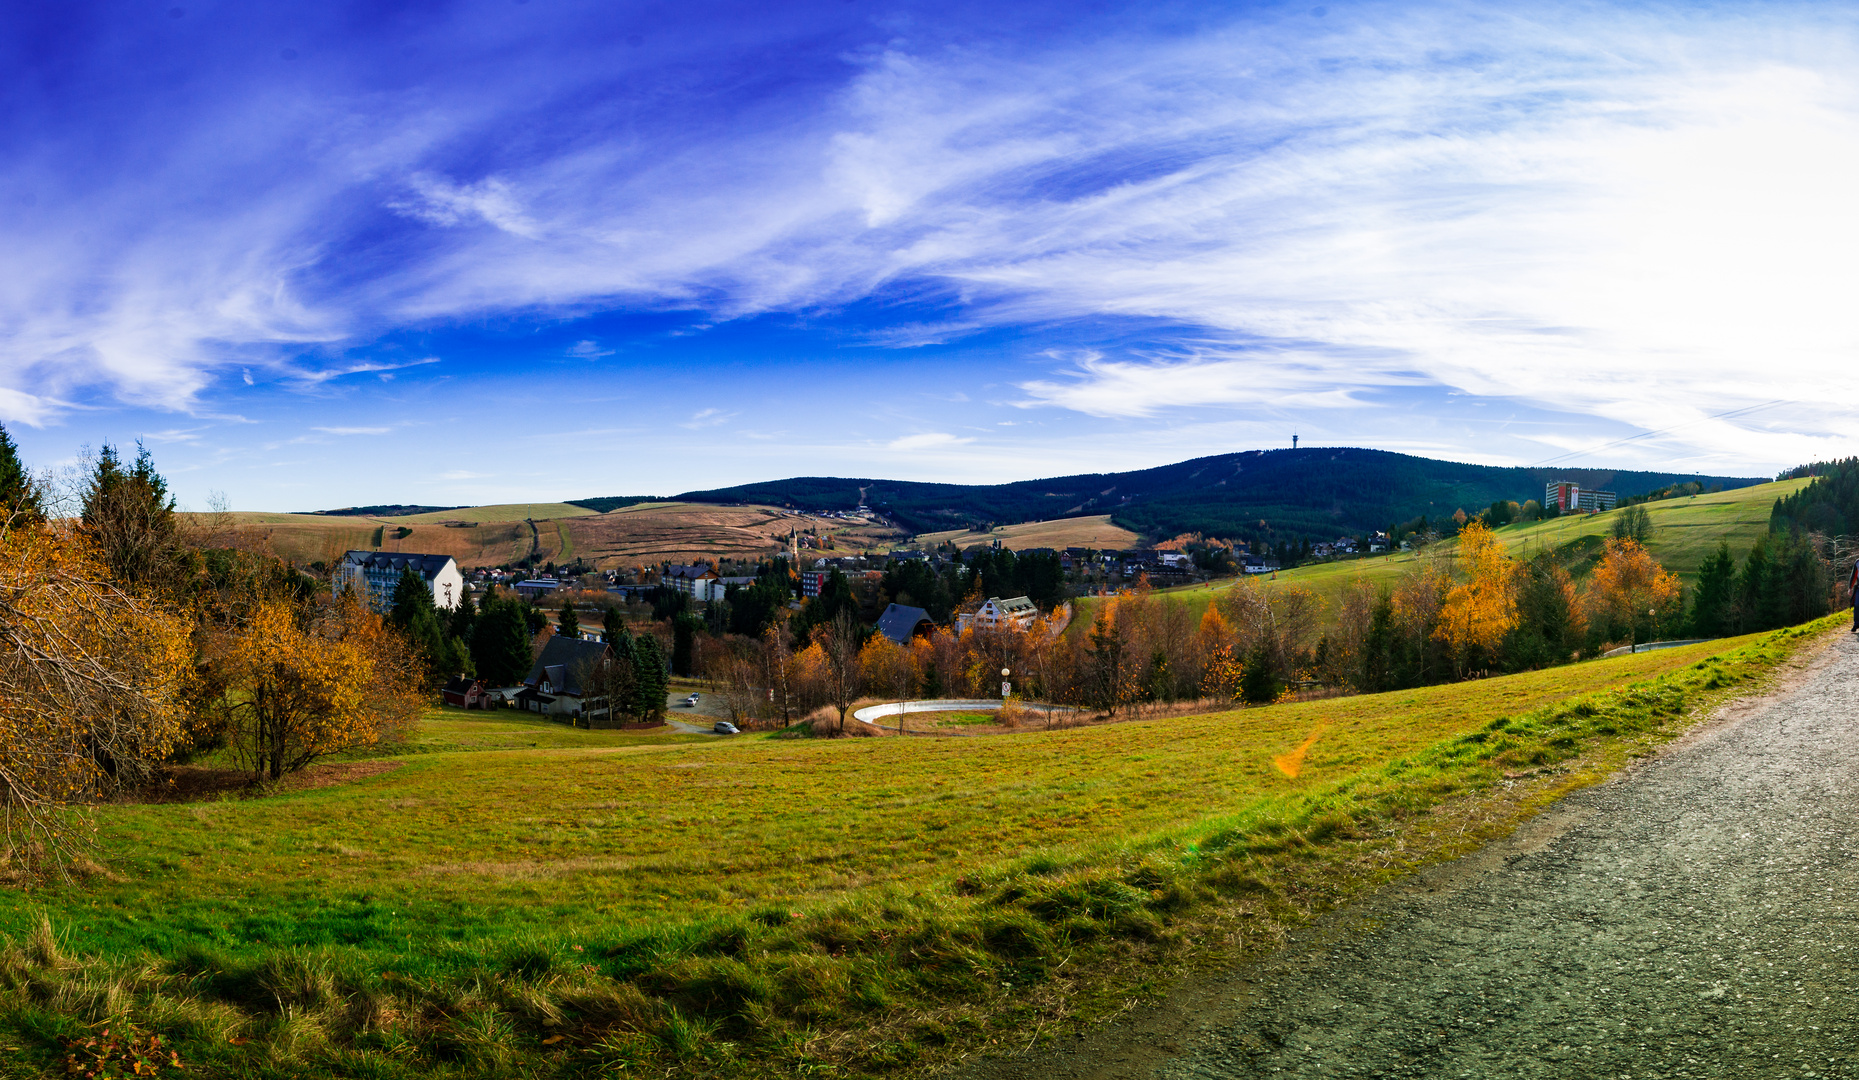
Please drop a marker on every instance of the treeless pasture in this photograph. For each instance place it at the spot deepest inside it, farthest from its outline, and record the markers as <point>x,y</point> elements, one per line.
<point>638,535</point>
<point>1095,531</point>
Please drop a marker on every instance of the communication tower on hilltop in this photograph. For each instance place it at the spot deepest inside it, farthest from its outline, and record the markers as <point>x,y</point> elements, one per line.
<point>1294,440</point>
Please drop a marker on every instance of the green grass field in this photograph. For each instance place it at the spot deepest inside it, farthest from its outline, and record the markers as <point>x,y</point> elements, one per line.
<point>1685,533</point>
<point>741,900</point>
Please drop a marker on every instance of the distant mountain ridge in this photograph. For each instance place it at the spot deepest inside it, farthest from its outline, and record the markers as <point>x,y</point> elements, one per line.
<point>1311,491</point>
<point>383,510</point>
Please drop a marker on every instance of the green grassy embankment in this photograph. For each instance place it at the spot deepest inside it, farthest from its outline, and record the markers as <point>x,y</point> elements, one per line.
<point>1684,533</point>
<point>757,906</point>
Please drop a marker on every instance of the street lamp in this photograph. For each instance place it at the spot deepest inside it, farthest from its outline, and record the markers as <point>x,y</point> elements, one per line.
<point>1006,687</point>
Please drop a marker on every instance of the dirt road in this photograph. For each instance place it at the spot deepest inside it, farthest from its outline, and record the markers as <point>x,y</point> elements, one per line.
<point>1696,917</point>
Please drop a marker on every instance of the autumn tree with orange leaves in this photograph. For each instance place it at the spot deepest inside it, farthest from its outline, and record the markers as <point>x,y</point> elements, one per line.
<point>305,680</point>
<point>1481,609</point>
<point>1630,594</point>
<point>93,683</point>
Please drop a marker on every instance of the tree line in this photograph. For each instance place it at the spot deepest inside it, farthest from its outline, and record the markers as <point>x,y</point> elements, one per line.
<point>129,642</point>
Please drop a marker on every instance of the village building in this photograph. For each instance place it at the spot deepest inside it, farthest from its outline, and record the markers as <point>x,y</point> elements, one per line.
<point>698,582</point>
<point>1570,497</point>
<point>536,588</point>
<point>901,622</point>
<point>463,693</point>
<point>374,575</point>
<point>558,682</point>
<point>1016,613</point>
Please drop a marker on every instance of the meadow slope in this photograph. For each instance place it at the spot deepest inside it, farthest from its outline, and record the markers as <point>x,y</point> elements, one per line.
<point>756,905</point>
<point>1684,533</point>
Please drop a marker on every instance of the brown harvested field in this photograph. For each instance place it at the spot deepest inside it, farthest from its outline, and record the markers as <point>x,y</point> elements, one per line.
<point>309,538</point>
<point>638,535</point>
<point>1095,531</point>
<point>653,532</point>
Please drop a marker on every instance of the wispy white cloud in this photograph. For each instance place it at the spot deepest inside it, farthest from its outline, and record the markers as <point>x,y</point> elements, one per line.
<point>1636,213</point>
<point>1146,385</point>
<point>704,418</point>
<point>588,350</point>
<point>928,440</point>
<point>323,375</point>
<point>353,430</point>
<point>439,201</point>
<point>462,474</point>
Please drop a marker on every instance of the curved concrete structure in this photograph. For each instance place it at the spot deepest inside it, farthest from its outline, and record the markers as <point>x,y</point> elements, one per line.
<point>872,714</point>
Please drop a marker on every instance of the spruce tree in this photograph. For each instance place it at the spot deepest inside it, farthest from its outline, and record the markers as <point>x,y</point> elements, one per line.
<point>17,492</point>
<point>650,682</point>
<point>412,597</point>
<point>1710,607</point>
<point>568,624</point>
<point>612,624</point>
<point>500,644</point>
<point>130,516</point>
<point>463,618</point>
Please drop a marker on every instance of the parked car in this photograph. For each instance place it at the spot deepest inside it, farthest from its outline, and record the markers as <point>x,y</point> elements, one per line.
<point>724,727</point>
<point>690,702</point>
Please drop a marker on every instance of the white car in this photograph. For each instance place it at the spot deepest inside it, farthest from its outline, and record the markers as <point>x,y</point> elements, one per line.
<point>724,727</point>
<point>690,702</point>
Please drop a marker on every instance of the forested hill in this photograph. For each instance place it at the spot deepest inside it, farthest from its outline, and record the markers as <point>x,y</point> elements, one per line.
<point>1314,492</point>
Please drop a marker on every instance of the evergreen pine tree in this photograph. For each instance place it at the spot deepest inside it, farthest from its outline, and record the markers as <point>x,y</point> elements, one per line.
<point>17,492</point>
<point>612,624</point>
<point>650,681</point>
<point>568,624</point>
<point>463,618</point>
<point>684,642</point>
<point>412,598</point>
<point>500,644</point>
<point>1710,607</point>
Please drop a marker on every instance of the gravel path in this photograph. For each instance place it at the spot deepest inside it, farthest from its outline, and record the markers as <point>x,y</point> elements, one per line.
<point>1696,917</point>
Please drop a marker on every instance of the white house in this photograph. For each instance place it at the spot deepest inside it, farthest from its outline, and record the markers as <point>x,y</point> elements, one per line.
<point>374,575</point>
<point>1017,613</point>
<point>697,582</point>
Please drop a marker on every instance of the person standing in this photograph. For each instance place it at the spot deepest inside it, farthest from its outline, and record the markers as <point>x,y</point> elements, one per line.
<point>1852,590</point>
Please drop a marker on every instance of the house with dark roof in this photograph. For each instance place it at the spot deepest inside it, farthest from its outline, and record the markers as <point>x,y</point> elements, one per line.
<point>558,683</point>
<point>466,693</point>
<point>375,574</point>
<point>900,623</point>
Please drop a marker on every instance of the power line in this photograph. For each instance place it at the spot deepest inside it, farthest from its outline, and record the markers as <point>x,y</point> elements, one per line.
<point>1745,410</point>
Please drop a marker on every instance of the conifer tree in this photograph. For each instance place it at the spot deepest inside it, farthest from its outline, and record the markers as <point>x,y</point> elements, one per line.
<point>18,494</point>
<point>568,624</point>
<point>649,679</point>
<point>411,597</point>
<point>1710,608</point>
<point>130,516</point>
<point>500,643</point>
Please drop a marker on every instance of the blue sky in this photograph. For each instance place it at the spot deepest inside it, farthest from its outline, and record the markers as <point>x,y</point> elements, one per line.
<point>496,251</point>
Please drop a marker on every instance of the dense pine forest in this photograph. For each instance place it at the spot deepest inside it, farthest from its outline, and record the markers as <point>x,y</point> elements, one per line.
<point>1259,494</point>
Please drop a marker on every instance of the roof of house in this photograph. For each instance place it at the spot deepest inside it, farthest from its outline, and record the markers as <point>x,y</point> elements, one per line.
<point>899,622</point>
<point>428,566</point>
<point>563,660</point>
<point>692,572</point>
<point>1018,605</point>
